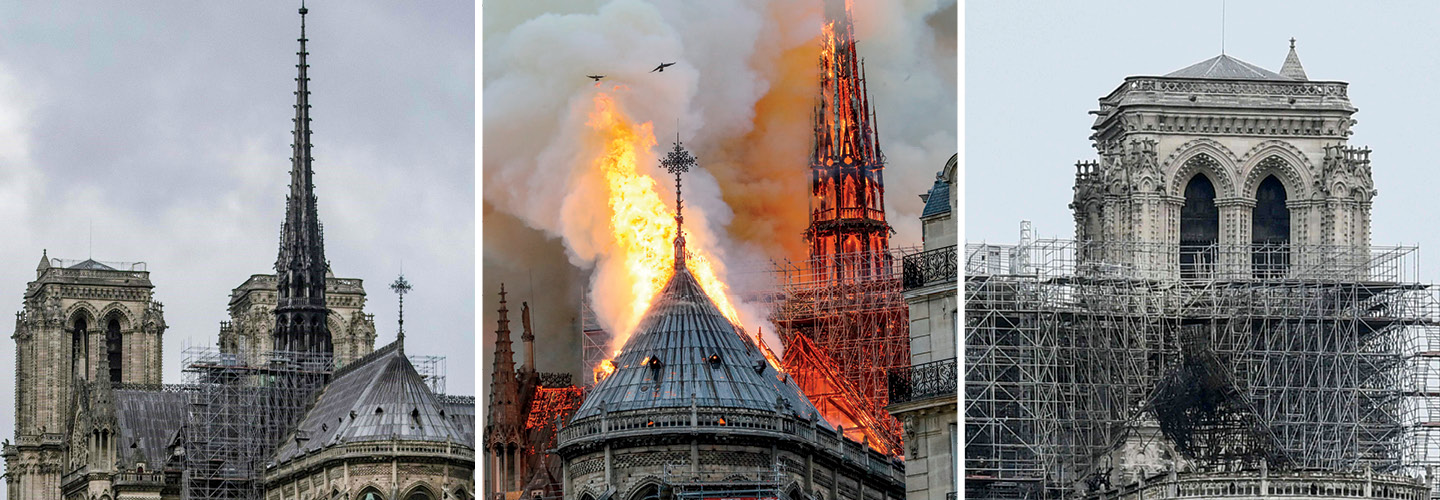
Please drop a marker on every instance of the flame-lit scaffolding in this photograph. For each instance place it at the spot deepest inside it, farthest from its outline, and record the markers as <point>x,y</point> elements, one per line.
<point>239,411</point>
<point>860,328</point>
<point>1287,357</point>
<point>594,343</point>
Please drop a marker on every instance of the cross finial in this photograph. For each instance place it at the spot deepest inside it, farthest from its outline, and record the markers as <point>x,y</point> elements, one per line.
<point>677,162</point>
<point>1292,42</point>
<point>401,287</point>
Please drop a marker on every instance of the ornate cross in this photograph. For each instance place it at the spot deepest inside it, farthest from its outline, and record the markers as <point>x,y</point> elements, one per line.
<point>677,162</point>
<point>401,287</point>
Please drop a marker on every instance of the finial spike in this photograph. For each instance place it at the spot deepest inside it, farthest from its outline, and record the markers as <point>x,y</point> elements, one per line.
<point>401,287</point>
<point>677,162</point>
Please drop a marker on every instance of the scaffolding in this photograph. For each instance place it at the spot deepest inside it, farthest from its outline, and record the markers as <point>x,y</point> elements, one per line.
<point>860,321</point>
<point>594,343</point>
<point>239,412</point>
<point>1081,356</point>
<point>432,370</point>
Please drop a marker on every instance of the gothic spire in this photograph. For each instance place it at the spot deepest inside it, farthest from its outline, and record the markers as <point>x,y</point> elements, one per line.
<point>300,269</point>
<point>502,415</point>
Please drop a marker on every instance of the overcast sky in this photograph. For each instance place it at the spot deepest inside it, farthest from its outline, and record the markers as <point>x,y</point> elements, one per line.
<point>166,127</point>
<point>1034,70</point>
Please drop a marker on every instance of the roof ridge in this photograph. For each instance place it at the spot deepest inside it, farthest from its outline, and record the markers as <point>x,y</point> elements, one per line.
<point>366,359</point>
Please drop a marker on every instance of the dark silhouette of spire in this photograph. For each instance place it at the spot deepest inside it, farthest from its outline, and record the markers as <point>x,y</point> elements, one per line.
<point>300,269</point>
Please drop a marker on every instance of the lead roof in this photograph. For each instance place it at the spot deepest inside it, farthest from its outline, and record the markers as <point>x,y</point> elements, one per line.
<point>683,330</point>
<point>378,398</point>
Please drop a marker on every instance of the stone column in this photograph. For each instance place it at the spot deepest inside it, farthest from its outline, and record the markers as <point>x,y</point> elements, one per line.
<point>1236,215</point>
<point>519,485</point>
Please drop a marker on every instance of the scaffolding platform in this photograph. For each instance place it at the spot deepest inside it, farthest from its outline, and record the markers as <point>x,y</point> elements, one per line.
<point>1080,356</point>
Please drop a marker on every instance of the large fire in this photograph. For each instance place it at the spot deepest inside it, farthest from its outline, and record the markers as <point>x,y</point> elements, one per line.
<point>642,226</point>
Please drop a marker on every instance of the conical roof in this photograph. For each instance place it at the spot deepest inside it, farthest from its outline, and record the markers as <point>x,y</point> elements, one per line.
<point>685,347</point>
<point>1292,68</point>
<point>377,398</point>
<point>1223,67</point>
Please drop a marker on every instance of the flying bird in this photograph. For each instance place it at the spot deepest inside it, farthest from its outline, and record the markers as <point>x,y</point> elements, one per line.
<point>595,77</point>
<point>662,66</point>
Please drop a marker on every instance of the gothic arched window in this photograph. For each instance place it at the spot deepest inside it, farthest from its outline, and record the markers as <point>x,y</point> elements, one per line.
<point>370,494</point>
<point>113,349</point>
<point>1199,228</point>
<point>1270,230</point>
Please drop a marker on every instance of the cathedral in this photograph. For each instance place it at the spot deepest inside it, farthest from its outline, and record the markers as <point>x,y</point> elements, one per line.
<point>1220,326</point>
<point>297,402</point>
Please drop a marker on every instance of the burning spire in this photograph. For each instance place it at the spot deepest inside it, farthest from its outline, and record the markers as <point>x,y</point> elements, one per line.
<point>847,203</point>
<point>300,269</point>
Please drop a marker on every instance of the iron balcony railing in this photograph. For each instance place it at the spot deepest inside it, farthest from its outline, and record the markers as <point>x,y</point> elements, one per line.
<point>923,381</point>
<point>930,267</point>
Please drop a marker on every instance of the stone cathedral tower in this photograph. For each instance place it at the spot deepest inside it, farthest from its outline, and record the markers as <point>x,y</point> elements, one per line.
<point>83,321</point>
<point>1224,170</point>
<point>847,182</point>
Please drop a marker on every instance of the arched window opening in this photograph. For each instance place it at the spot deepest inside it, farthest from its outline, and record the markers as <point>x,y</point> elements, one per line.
<point>1270,230</point>
<point>1199,229</point>
<point>848,197</point>
<point>79,352</point>
<point>420,493</point>
<point>648,492</point>
<point>113,349</point>
<point>370,494</point>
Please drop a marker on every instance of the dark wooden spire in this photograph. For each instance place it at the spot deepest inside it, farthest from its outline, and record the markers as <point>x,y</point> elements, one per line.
<point>300,269</point>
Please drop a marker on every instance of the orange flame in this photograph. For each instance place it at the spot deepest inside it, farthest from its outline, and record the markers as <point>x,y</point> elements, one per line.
<point>604,369</point>
<point>642,227</point>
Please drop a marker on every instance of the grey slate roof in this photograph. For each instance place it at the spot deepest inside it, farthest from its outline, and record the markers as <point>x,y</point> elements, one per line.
<point>92,264</point>
<point>461,412</point>
<point>938,202</point>
<point>683,329</point>
<point>149,421</point>
<point>377,398</point>
<point>1292,68</point>
<point>1223,67</point>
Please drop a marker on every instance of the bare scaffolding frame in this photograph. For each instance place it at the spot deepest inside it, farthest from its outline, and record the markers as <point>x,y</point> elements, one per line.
<point>1243,356</point>
<point>240,410</point>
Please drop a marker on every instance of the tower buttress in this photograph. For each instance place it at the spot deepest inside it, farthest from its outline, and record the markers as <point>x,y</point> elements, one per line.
<point>300,269</point>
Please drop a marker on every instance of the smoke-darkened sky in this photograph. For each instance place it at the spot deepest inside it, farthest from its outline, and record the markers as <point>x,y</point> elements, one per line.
<point>740,96</point>
<point>166,126</point>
